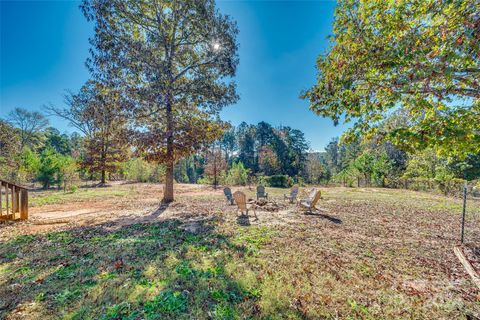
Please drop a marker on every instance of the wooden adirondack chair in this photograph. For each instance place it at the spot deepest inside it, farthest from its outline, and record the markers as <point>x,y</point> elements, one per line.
<point>292,196</point>
<point>241,201</point>
<point>228,195</point>
<point>307,196</point>
<point>261,192</point>
<point>308,205</point>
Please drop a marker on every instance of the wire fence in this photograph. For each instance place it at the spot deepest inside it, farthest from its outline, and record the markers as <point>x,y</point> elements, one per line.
<point>470,217</point>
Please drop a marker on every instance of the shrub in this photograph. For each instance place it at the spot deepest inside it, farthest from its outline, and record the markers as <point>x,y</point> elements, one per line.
<point>299,180</point>
<point>421,184</point>
<point>205,180</point>
<point>455,187</point>
<point>476,188</point>
<point>262,181</point>
<point>49,168</point>
<point>140,170</point>
<point>29,166</point>
<point>447,182</point>
<point>237,175</point>
<point>278,181</point>
<point>68,172</point>
<point>347,176</point>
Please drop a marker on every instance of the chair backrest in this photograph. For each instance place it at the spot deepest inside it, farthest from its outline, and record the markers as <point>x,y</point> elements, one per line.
<point>260,190</point>
<point>240,200</point>
<point>294,191</point>
<point>315,199</point>
<point>312,194</point>
<point>228,192</point>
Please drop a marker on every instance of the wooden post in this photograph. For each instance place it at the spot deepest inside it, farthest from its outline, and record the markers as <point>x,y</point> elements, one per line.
<point>6,196</point>
<point>1,209</point>
<point>17,197</point>
<point>15,200</point>
<point>24,204</point>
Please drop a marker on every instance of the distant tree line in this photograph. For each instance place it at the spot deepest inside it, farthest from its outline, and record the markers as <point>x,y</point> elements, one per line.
<point>33,152</point>
<point>248,153</point>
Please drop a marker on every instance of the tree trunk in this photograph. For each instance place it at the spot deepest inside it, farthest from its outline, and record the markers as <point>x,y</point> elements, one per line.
<point>103,162</point>
<point>168,192</point>
<point>103,179</point>
<point>214,169</point>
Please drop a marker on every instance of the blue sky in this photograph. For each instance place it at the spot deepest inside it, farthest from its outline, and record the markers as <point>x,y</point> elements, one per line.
<point>44,45</point>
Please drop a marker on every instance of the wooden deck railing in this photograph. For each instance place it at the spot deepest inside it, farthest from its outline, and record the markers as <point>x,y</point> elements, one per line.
<point>13,201</point>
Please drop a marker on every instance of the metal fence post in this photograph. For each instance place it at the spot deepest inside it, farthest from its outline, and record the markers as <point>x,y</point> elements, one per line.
<point>464,210</point>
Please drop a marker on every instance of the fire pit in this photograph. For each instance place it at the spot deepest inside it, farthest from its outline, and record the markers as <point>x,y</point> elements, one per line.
<point>267,205</point>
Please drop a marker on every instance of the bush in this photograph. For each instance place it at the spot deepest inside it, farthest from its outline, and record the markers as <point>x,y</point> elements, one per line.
<point>277,181</point>
<point>455,187</point>
<point>447,183</point>
<point>139,170</point>
<point>237,175</point>
<point>299,180</point>
<point>421,184</point>
<point>205,180</point>
<point>49,168</point>
<point>261,181</point>
<point>29,166</point>
<point>347,176</point>
<point>68,174</point>
<point>476,188</point>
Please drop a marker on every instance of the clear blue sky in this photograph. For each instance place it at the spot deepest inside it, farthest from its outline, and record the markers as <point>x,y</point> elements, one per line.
<point>44,45</point>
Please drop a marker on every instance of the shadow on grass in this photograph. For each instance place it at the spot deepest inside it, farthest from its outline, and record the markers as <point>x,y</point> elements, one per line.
<point>157,213</point>
<point>324,216</point>
<point>140,271</point>
<point>243,220</point>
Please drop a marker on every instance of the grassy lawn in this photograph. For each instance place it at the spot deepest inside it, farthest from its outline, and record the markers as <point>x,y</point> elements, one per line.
<point>40,198</point>
<point>369,254</point>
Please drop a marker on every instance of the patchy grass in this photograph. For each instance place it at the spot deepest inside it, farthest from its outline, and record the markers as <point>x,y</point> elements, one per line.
<point>369,254</point>
<point>41,198</point>
<point>153,271</point>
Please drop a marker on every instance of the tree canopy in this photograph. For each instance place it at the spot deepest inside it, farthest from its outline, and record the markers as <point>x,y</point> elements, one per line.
<point>422,56</point>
